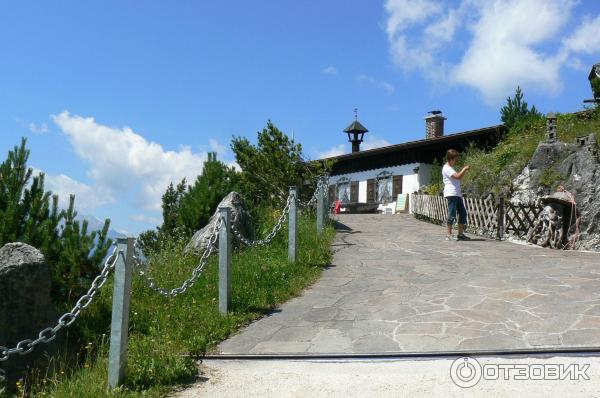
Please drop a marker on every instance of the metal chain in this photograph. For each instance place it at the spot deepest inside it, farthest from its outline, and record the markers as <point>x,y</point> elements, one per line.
<point>24,347</point>
<point>314,197</point>
<point>151,282</point>
<point>271,235</point>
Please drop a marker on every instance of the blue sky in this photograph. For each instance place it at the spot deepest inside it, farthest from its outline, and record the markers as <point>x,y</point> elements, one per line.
<point>119,98</point>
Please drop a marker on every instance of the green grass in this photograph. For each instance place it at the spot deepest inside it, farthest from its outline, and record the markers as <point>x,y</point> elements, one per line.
<point>166,335</point>
<point>493,171</point>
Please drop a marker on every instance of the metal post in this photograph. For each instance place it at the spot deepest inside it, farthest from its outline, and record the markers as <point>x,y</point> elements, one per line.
<point>224,260</point>
<point>320,205</point>
<point>117,359</point>
<point>501,212</point>
<point>292,225</point>
<point>326,203</point>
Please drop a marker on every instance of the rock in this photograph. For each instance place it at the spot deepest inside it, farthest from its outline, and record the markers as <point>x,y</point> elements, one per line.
<point>577,168</point>
<point>25,305</point>
<point>240,219</point>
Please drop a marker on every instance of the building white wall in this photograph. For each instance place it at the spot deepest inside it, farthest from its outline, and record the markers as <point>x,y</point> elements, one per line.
<point>362,191</point>
<point>411,181</point>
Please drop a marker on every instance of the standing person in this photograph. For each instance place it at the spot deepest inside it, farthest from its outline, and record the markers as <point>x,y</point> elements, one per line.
<point>453,195</point>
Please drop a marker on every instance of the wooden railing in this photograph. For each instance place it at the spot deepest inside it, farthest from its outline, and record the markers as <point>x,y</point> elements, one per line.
<point>487,216</point>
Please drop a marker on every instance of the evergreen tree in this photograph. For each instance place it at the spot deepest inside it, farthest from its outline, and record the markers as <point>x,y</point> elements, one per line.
<point>271,166</point>
<point>201,199</point>
<point>517,110</point>
<point>31,215</point>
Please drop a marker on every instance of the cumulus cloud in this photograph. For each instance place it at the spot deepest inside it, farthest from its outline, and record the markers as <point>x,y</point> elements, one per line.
<point>330,70</point>
<point>333,152</point>
<point>381,84</point>
<point>87,198</point>
<point>38,129</point>
<point>586,38</point>
<point>500,43</point>
<point>122,162</point>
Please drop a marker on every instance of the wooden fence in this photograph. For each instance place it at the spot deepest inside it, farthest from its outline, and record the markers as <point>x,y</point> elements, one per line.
<point>487,216</point>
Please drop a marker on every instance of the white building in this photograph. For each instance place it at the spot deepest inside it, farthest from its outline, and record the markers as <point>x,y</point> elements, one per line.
<point>364,180</point>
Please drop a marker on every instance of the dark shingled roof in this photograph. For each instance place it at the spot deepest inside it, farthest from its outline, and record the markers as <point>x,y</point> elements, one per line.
<point>355,127</point>
<point>421,151</point>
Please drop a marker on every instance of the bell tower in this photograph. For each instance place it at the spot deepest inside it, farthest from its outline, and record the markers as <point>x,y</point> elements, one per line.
<point>356,132</point>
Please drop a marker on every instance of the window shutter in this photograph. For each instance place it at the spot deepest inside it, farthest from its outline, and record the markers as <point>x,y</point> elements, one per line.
<point>332,196</point>
<point>354,191</point>
<point>396,187</point>
<point>371,191</point>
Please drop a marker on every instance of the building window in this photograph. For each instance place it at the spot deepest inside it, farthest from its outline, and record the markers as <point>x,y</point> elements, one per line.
<point>343,190</point>
<point>384,187</point>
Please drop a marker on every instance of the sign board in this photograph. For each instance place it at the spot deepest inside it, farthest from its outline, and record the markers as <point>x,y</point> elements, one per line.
<point>402,202</point>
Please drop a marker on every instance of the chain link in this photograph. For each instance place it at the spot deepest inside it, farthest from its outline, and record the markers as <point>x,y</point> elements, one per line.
<point>26,346</point>
<point>151,282</point>
<point>314,197</point>
<point>271,235</point>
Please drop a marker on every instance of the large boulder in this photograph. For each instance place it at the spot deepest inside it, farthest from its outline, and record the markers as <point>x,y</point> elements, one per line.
<point>577,168</point>
<point>240,219</point>
<point>25,305</point>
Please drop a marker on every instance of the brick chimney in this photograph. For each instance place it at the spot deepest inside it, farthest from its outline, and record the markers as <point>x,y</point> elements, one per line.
<point>434,124</point>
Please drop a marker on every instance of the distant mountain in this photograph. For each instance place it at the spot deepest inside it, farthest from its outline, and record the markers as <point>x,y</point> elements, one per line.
<point>95,224</point>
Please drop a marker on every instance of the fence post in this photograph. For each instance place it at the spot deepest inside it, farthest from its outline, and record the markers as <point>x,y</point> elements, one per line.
<point>117,359</point>
<point>292,225</point>
<point>501,211</point>
<point>224,260</point>
<point>326,203</point>
<point>320,205</point>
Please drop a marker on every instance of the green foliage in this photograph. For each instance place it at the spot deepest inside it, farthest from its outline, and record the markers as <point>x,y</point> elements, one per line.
<point>494,170</point>
<point>436,187</point>
<point>200,201</point>
<point>516,109</point>
<point>271,166</point>
<point>186,209</point>
<point>171,201</point>
<point>167,335</point>
<point>30,214</point>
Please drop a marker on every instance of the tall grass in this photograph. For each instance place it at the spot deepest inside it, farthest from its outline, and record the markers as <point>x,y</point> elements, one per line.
<point>167,335</point>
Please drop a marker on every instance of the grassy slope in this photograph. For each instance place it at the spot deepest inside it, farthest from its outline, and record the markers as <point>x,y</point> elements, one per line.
<point>166,335</point>
<point>494,171</point>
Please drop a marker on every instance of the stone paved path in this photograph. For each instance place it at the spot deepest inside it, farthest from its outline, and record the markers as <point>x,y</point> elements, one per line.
<point>396,285</point>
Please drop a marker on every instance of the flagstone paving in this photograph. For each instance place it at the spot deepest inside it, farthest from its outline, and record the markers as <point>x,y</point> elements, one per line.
<point>396,285</point>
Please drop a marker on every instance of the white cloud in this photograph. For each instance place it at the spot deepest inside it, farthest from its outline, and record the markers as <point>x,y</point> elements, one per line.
<point>502,43</point>
<point>371,142</point>
<point>87,198</point>
<point>332,152</point>
<point>217,147</point>
<point>502,53</point>
<point>381,84</point>
<point>144,218</point>
<point>330,70</point>
<point>122,162</point>
<point>586,38</point>
<point>38,129</point>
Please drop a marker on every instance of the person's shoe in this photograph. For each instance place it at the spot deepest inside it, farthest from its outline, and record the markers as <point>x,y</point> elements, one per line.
<point>462,237</point>
<point>450,237</point>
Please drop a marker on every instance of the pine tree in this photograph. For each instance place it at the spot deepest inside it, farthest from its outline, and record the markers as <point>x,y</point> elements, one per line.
<point>516,110</point>
<point>31,215</point>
